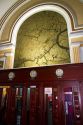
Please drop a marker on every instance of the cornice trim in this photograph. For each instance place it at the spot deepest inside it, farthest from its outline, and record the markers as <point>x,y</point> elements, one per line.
<point>6,46</point>
<point>18,3</point>
<point>39,8</point>
<point>73,31</point>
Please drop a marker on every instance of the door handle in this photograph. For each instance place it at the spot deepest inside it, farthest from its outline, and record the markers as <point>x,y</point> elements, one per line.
<point>66,108</point>
<point>77,116</point>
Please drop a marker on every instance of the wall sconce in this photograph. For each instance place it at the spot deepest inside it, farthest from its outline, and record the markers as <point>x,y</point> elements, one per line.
<point>59,73</point>
<point>33,74</point>
<point>11,76</point>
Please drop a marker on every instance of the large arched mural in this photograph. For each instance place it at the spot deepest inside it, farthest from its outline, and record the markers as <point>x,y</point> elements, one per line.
<point>42,40</point>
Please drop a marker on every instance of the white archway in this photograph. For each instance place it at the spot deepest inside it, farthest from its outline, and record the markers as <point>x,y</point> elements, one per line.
<point>36,9</point>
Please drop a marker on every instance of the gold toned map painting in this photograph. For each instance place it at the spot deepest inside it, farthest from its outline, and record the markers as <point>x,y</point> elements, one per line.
<point>42,40</point>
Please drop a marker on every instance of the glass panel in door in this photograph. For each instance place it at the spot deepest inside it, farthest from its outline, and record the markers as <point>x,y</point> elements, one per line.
<point>48,105</point>
<point>68,106</point>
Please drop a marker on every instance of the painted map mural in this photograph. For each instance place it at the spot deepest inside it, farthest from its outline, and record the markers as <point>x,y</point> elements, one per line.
<point>42,40</point>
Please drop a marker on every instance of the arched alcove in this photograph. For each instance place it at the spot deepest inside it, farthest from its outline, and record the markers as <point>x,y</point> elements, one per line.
<point>42,40</point>
<point>63,12</point>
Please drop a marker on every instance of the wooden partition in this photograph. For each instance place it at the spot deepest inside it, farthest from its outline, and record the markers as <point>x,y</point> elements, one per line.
<point>40,96</point>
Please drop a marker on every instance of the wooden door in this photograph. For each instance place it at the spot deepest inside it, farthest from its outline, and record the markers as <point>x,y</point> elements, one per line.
<point>72,102</point>
<point>81,100</point>
<point>66,103</point>
<point>48,105</point>
<point>11,106</point>
<point>1,93</point>
<point>36,105</point>
<point>56,103</point>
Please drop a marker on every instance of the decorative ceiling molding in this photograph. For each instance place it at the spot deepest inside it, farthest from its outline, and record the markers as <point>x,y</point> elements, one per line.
<point>7,46</point>
<point>20,4</point>
<point>38,8</point>
<point>9,11</point>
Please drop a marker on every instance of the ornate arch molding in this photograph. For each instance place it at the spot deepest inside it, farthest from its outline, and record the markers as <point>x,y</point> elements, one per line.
<point>68,16</point>
<point>20,3</point>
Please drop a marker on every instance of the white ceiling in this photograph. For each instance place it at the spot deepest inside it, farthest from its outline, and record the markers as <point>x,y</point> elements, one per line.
<point>5,5</point>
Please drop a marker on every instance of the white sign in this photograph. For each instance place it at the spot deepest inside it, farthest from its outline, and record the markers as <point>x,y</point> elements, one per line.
<point>48,91</point>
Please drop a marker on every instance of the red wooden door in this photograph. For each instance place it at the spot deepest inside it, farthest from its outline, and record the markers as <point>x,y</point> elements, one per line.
<point>36,105</point>
<point>71,101</point>
<point>1,92</point>
<point>62,109</point>
<point>66,103</point>
<point>56,103</point>
<point>33,102</point>
<point>24,106</point>
<point>40,120</point>
<point>11,106</point>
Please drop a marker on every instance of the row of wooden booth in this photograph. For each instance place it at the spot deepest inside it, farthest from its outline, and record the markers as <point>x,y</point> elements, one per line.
<point>51,95</point>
